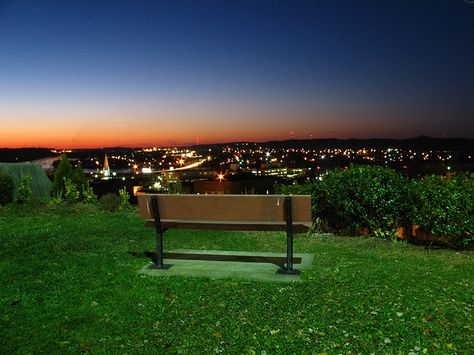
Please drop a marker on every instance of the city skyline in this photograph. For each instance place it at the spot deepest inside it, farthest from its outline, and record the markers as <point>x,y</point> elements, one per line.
<point>83,75</point>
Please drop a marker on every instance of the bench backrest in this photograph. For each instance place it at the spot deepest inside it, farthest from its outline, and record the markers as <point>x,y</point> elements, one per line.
<point>226,208</point>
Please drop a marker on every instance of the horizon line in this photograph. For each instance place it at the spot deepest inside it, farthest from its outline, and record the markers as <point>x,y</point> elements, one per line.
<point>236,142</point>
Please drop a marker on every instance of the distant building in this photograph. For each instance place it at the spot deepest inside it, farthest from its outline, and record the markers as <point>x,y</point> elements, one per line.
<point>106,169</point>
<point>290,173</point>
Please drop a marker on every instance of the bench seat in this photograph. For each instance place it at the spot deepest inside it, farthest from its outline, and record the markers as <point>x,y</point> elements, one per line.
<point>227,212</point>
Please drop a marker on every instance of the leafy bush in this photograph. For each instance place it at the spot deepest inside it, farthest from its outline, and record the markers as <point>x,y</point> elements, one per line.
<point>110,202</point>
<point>79,178</point>
<point>296,189</point>
<point>124,198</point>
<point>71,183</point>
<point>369,198</point>
<point>25,193</point>
<point>309,188</point>
<point>63,170</point>
<point>6,189</point>
<point>56,200</point>
<point>175,188</point>
<point>88,195</point>
<point>71,193</point>
<point>445,207</point>
<point>373,198</point>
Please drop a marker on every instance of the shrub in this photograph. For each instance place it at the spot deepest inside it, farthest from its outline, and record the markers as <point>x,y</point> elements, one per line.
<point>110,202</point>
<point>88,195</point>
<point>71,193</point>
<point>373,198</point>
<point>308,188</point>
<point>445,206</point>
<point>296,189</point>
<point>124,198</point>
<point>74,185</point>
<point>6,189</point>
<point>63,170</point>
<point>175,188</point>
<point>25,193</point>
<point>56,200</point>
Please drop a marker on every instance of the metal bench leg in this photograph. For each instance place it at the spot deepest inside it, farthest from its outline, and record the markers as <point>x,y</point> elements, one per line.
<point>289,241</point>
<point>159,236</point>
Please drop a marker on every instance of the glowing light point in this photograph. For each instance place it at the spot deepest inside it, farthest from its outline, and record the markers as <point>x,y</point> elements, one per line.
<point>220,176</point>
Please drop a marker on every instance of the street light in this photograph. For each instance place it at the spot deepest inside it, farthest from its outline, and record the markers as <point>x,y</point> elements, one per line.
<point>220,176</point>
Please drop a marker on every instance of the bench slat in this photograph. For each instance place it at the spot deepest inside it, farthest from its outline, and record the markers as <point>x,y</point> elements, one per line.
<point>236,226</point>
<point>226,208</point>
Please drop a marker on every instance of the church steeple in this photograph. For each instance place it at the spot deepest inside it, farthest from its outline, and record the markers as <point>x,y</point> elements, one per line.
<point>106,169</point>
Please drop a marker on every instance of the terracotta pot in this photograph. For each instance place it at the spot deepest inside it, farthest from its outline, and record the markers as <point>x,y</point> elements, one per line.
<point>404,233</point>
<point>420,234</point>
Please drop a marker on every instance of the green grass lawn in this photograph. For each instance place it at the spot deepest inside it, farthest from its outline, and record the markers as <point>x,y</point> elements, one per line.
<point>69,285</point>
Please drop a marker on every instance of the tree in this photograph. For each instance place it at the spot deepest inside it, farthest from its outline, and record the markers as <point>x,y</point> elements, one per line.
<point>79,178</point>
<point>63,170</point>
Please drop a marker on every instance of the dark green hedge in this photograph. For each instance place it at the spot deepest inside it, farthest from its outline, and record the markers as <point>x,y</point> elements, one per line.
<point>364,197</point>
<point>7,188</point>
<point>445,206</point>
<point>378,200</point>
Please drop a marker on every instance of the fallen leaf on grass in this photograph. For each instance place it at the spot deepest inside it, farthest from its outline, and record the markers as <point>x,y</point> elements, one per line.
<point>217,335</point>
<point>84,349</point>
<point>169,296</point>
<point>274,331</point>
<point>15,302</point>
<point>427,332</point>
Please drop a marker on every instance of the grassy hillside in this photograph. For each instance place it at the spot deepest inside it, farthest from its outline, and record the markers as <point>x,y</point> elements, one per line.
<point>40,184</point>
<point>70,285</point>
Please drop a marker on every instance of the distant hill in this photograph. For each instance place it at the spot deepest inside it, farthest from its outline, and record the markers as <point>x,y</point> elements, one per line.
<point>418,143</point>
<point>17,155</point>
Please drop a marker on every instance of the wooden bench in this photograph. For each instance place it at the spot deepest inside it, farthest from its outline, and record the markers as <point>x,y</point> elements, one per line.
<point>227,212</point>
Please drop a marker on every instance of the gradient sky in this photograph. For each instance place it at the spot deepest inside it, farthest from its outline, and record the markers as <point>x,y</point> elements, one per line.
<point>94,73</point>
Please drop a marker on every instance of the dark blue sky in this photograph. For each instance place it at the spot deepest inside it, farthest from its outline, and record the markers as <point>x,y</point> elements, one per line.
<point>88,73</point>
